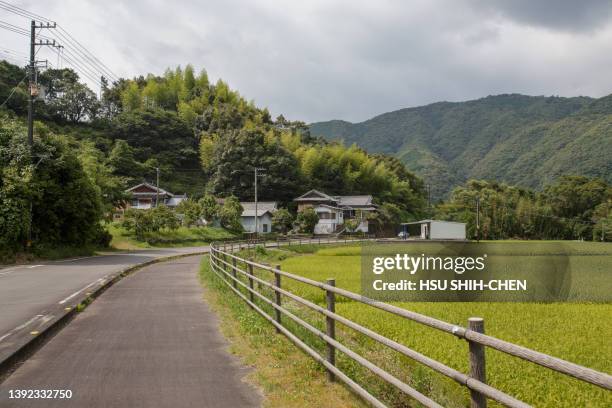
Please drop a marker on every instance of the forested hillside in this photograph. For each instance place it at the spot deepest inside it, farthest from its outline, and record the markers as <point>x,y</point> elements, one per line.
<point>204,138</point>
<point>523,140</point>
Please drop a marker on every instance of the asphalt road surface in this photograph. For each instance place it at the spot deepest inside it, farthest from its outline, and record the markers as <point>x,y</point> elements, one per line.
<point>148,341</point>
<point>27,292</point>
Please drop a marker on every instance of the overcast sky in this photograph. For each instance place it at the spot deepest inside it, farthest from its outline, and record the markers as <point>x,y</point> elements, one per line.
<point>332,59</point>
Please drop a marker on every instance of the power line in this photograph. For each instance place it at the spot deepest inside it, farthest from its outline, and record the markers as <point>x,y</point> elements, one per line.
<point>13,90</point>
<point>81,64</point>
<point>106,69</point>
<point>78,68</point>
<point>14,28</point>
<point>22,12</point>
<point>19,30</point>
<point>16,53</point>
<point>87,58</point>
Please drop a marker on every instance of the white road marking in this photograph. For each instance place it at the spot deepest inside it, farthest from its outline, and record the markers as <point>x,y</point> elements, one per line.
<point>61,302</point>
<point>26,324</point>
<point>7,271</point>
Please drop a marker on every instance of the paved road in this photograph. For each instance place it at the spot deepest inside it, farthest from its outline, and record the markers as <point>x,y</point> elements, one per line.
<point>27,292</point>
<point>149,341</point>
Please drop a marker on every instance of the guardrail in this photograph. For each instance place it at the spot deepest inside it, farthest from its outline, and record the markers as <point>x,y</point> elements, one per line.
<point>230,267</point>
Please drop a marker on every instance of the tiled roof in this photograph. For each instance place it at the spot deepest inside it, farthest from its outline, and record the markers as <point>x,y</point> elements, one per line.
<point>149,186</point>
<point>248,208</point>
<point>355,200</point>
<point>318,196</point>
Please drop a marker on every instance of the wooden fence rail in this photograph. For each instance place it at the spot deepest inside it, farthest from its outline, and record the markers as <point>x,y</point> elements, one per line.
<point>225,264</point>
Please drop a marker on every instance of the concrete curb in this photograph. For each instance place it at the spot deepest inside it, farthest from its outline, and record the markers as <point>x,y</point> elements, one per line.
<point>28,339</point>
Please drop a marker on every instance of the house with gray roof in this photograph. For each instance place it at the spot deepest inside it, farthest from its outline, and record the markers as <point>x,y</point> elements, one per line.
<point>265,211</point>
<point>145,196</point>
<point>334,211</point>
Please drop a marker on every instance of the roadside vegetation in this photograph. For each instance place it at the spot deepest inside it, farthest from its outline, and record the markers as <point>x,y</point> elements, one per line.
<point>286,376</point>
<point>179,237</point>
<point>574,207</point>
<point>551,328</point>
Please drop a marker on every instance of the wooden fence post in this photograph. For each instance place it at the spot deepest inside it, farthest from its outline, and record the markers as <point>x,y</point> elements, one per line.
<point>234,273</point>
<point>331,327</point>
<point>224,256</point>
<point>250,270</point>
<point>277,283</point>
<point>477,363</point>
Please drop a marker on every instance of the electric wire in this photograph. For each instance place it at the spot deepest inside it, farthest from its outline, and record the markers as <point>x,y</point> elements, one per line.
<point>13,90</point>
<point>86,58</point>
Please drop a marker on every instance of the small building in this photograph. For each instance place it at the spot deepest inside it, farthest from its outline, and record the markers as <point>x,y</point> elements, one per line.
<point>434,229</point>
<point>333,211</point>
<point>145,196</point>
<point>265,211</point>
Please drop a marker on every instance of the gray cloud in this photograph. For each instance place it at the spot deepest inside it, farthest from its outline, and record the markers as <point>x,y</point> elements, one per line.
<point>573,15</point>
<point>322,59</point>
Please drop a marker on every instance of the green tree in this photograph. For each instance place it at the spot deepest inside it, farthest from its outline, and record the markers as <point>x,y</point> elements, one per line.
<point>138,222</point>
<point>191,211</point>
<point>130,97</point>
<point>282,220</point>
<point>235,156</point>
<point>110,187</point>
<point>164,217</point>
<point>352,224</point>
<point>210,208</point>
<point>122,161</point>
<point>10,84</point>
<point>230,213</point>
<point>76,103</point>
<point>306,220</point>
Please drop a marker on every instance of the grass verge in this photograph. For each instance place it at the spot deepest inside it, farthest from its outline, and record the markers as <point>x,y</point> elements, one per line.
<point>286,376</point>
<point>180,237</point>
<point>47,253</point>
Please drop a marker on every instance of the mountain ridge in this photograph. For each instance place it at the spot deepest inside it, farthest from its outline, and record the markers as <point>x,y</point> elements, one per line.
<point>518,139</point>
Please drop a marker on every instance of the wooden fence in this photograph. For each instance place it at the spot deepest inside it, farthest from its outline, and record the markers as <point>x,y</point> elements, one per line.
<point>229,267</point>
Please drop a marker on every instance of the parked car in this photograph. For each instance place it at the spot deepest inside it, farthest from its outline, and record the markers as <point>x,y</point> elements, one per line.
<point>403,235</point>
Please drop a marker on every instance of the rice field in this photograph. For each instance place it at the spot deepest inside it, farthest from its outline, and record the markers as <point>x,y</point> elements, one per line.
<point>575,331</point>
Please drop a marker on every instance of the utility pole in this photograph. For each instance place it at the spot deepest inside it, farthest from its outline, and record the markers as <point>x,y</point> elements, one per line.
<point>478,219</point>
<point>157,189</point>
<point>33,88</point>
<point>32,85</point>
<point>603,225</point>
<point>429,200</point>
<point>257,169</point>
<point>32,93</point>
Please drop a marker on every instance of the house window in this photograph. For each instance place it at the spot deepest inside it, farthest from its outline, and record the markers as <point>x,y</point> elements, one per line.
<point>135,202</point>
<point>325,216</point>
<point>265,228</point>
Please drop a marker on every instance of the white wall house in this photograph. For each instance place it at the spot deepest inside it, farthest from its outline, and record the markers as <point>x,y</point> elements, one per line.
<point>330,218</point>
<point>145,195</point>
<point>333,211</point>
<point>435,229</point>
<point>265,211</point>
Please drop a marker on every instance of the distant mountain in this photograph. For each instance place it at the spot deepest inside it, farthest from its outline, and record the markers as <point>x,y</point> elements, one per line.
<point>523,140</point>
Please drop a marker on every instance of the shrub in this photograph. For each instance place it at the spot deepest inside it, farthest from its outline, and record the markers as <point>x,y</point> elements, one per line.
<point>191,211</point>
<point>306,220</point>
<point>230,214</point>
<point>164,217</point>
<point>282,220</point>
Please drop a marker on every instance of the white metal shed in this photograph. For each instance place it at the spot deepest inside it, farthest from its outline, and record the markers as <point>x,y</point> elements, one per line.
<point>435,229</point>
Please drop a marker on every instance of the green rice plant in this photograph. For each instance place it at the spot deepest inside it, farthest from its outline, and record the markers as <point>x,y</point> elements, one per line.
<point>577,332</point>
